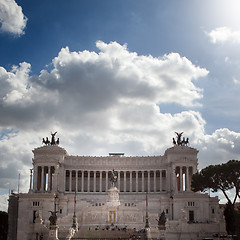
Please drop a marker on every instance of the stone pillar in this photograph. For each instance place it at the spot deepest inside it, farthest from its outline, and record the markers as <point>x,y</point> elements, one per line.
<point>125,180</point>
<point>59,173</point>
<point>82,181</point>
<point>35,178</point>
<point>94,181</point>
<point>42,179</point>
<point>119,181</point>
<point>53,178</point>
<point>88,183</point>
<point>160,180</point>
<point>70,180</point>
<point>174,180</point>
<point>130,181</point>
<point>154,176</point>
<point>181,179</point>
<point>100,184</point>
<point>64,180</point>
<point>143,181</point>
<point>76,180</point>
<point>49,178</point>
<point>148,181</point>
<point>136,181</point>
<point>106,181</point>
<point>31,179</point>
<point>187,179</point>
<point>167,180</point>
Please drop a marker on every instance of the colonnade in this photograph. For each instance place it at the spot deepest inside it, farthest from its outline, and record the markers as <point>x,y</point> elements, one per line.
<point>183,175</point>
<point>128,181</point>
<point>43,178</point>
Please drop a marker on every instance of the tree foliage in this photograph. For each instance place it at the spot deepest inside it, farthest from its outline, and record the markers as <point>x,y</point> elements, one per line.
<point>3,225</point>
<point>222,177</point>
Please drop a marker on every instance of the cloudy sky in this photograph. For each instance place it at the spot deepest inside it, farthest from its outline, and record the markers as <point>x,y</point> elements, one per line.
<point>117,76</point>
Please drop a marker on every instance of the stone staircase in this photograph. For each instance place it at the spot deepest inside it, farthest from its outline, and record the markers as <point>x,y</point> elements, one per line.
<point>109,234</point>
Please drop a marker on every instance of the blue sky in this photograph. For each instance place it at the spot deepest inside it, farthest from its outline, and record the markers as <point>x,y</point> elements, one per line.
<point>117,76</point>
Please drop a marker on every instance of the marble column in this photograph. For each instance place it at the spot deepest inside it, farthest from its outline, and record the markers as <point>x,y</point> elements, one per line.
<point>77,180</point>
<point>88,182</point>
<point>35,178</point>
<point>181,179</point>
<point>31,179</point>
<point>160,180</point>
<point>94,181</point>
<point>100,184</point>
<point>130,181</point>
<point>106,181</point>
<point>125,180</point>
<point>187,179</point>
<point>143,181</point>
<point>167,187</point>
<point>119,180</point>
<point>174,180</point>
<point>82,188</point>
<point>136,181</point>
<point>49,178</point>
<point>42,179</point>
<point>148,181</point>
<point>154,177</point>
<point>70,180</point>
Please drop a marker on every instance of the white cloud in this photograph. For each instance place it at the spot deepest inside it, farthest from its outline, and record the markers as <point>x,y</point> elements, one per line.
<point>4,202</point>
<point>236,81</point>
<point>219,147</point>
<point>227,60</point>
<point>224,34</point>
<point>12,18</point>
<point>93,83</point>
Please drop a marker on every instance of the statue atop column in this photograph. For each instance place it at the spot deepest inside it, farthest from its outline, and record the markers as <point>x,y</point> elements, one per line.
<point>53,140</point>
<point>179,141</point>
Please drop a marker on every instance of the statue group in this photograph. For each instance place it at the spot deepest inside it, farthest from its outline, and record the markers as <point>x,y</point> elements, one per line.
<point>53,141</point>
<point>180,141</point>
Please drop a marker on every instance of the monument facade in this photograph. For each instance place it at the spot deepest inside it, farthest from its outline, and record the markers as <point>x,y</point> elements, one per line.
<point>88,193</point>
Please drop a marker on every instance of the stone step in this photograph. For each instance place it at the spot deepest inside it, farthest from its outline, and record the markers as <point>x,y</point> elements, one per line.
<point>109,234</point>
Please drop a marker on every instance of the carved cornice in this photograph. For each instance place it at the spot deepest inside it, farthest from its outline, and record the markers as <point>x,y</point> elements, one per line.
<point>182,150</point>
<point>51,150</point>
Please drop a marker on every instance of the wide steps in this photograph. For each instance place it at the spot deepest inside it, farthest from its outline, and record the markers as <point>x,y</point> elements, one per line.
<point>109,234</point>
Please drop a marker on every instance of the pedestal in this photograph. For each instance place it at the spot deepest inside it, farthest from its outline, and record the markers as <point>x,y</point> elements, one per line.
<point>162,234</point>
<point>53,233</point>
<point>113,197</point>
<point>148,233</point>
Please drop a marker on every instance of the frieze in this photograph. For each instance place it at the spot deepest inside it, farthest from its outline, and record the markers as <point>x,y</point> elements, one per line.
<point>45,158</point>
<point>45,161</point>
<point>184,160</point>
<point>116,161</point>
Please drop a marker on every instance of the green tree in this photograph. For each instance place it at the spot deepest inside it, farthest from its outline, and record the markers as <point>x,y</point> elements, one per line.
<point>3,225</point>
<point>222,177</point>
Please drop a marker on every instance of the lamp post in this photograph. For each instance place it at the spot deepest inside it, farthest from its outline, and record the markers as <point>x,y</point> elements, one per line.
<point>146,218</point>
<point>31,176</point>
